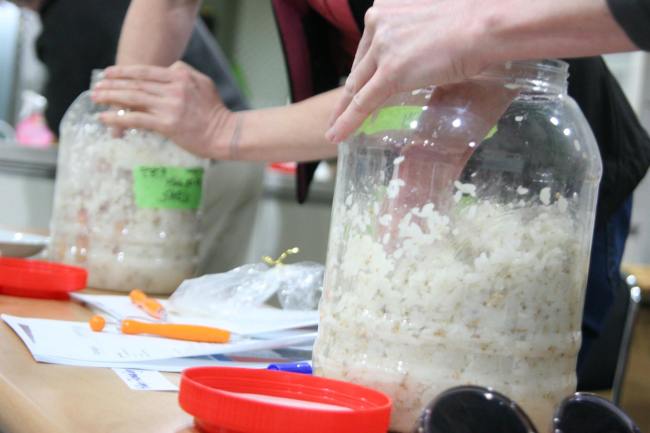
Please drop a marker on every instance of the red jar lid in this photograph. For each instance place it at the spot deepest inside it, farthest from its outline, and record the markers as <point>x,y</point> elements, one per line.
<point>239,400</point>
<point>40,279</point>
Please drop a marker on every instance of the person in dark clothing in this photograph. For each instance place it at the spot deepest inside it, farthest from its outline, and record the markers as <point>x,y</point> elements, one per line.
<point>634,18</point>
<point>79,36</point>
<point>320,39</point>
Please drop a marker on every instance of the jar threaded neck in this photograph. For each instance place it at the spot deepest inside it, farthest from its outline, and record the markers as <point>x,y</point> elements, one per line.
<point>532,76</point>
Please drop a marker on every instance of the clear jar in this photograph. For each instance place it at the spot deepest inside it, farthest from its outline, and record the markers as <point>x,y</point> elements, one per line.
<point>460,242</point>
<point>126,208</point>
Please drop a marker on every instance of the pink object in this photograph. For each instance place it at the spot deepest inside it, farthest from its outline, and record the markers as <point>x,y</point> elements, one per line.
<point>32,131</point>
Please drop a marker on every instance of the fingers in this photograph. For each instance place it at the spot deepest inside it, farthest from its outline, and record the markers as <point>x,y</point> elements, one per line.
<point>133,99</point>
<point>366,39</point>
<point>343,103</point>
<point>135,119</point>
<point>364,45</point>
<point>369,98</point>
<point>151,87</point>
<point>360,75</point>
<point>141,72</point>
<point>365,88</point>
<point>356,81</point>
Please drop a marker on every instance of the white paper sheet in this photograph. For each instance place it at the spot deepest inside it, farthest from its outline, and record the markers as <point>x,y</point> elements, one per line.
<point>176,365</point>
<point>144,380</point>
<point>253,321</point>
<point>73,343</point>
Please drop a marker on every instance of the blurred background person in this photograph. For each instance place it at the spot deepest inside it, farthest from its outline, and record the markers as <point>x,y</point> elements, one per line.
<point>79,36</point>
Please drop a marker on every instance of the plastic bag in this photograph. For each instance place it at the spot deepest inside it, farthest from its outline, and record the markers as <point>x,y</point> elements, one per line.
<point>298,287</point>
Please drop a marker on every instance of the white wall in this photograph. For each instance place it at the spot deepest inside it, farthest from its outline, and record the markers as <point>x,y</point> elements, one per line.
<point>256,49</point>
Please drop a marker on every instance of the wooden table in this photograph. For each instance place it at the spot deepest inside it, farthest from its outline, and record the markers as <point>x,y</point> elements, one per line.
<point>45,398</point>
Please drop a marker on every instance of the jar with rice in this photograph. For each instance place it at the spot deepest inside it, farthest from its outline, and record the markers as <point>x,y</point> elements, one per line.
<point>126,207</point>
<point>460,241</point>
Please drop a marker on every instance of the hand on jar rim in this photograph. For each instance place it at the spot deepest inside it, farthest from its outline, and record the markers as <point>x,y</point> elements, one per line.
<point>178,102</point>
<point>410,44</point>
<point>407,45</point>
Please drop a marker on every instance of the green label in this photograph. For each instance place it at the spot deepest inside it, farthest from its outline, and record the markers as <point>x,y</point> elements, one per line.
<point>167,187</point>
<point>391,118</point>
<point>491,132</point>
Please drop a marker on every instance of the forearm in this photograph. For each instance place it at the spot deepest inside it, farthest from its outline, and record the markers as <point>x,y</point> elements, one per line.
<point>524,29</point>
<point>156,32</point>
<point>414,44</point>
<point>295,132</point>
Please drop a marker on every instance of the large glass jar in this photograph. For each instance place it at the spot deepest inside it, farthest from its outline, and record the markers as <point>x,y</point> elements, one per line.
<point>460,242</point>
<point>126,207</point>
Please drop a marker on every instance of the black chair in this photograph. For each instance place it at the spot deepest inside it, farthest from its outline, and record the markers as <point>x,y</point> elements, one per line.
<point>606,363</point>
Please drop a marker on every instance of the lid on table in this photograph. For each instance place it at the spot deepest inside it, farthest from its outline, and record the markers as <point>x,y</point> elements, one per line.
<point>238,400</point>
<point>40,279</point>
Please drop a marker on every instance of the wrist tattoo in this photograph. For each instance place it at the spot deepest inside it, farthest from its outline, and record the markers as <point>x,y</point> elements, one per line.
<point>236,135</point>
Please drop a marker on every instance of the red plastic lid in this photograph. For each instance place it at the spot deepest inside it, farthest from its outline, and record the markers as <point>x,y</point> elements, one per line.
<point>239,400</point>
<point>39,279</point>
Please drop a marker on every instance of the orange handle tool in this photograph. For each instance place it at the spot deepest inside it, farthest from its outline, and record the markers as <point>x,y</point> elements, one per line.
<point>151,306</point>
<point>204,334</point>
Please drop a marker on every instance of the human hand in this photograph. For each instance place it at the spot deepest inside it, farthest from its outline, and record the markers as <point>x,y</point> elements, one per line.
<point>460,116</point>
<point>408,44</point>
<point>177,102</point>
<point>429,172</point>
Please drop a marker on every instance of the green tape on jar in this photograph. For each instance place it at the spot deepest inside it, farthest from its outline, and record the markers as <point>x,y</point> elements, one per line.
<point>160,187</point>
<point>390,119</point>
<point>491,132</point>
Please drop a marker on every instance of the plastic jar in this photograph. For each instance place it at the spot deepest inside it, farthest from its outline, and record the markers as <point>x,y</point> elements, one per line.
<point>125,208</point>
<point>460,241</point>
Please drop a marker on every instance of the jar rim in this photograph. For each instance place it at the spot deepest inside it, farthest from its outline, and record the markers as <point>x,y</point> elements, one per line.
<point>545,75</point>
<point>550,65</point>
